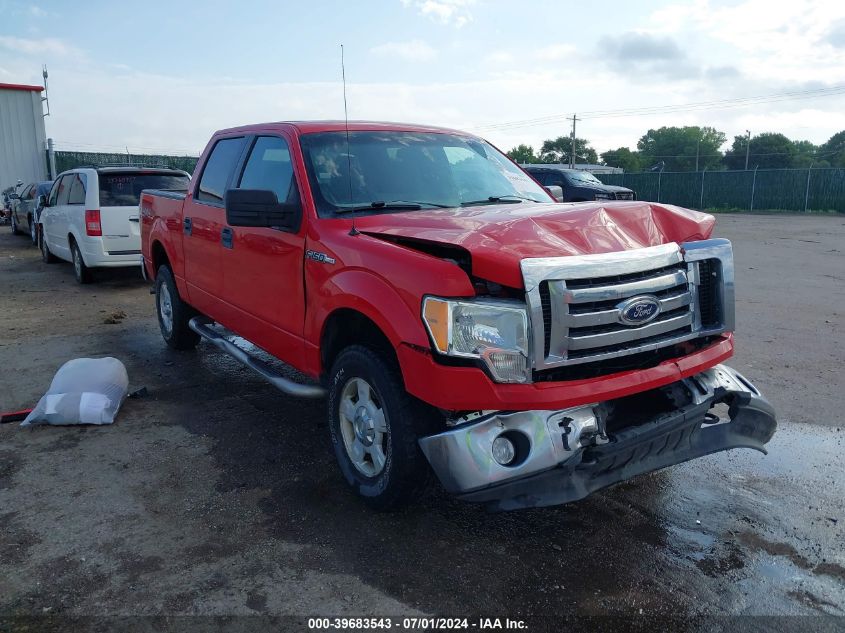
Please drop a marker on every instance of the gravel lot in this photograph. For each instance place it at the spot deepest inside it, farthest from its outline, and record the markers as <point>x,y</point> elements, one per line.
<point>217,495</point>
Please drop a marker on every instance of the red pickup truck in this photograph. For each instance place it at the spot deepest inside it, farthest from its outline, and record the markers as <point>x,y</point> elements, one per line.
<point>455,318</point>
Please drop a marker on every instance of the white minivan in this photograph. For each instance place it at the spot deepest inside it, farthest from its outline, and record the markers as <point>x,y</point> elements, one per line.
<point>91,217</point>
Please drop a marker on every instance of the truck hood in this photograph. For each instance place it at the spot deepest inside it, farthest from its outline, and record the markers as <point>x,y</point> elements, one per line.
<point>498,237</point>
<point>613,188</point>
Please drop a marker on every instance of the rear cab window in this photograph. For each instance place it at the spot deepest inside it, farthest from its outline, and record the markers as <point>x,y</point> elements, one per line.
<point>123,189</point>
<point>218,170</point>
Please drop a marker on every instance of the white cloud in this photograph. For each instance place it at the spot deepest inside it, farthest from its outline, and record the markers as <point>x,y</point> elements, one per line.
<point>413,50</point>
<point>778,40</point>
<point>38,12</point>
<point>500,57</point>
<point>33,47</point>
<point>555,52</point>
<point>454,12</point>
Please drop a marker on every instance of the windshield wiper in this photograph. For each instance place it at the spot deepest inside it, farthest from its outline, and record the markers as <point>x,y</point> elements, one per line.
<point>395,205</point>
<point>506,198</point>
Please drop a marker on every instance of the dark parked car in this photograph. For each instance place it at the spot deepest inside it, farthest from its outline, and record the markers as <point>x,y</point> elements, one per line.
<point>27,208</point>
<point>578,186</point>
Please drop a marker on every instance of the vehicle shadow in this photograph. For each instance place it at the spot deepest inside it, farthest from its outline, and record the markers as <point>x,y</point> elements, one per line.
<point>439,555</point>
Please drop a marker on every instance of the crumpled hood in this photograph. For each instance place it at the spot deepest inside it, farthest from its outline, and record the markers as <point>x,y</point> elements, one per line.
<point>499,236</point>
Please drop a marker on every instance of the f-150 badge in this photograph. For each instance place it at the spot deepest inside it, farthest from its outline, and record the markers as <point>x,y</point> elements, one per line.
<point>319,257</point>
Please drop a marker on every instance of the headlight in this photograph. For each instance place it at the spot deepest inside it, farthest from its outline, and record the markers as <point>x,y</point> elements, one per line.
<point>604,196</point>
<point>494,332</point>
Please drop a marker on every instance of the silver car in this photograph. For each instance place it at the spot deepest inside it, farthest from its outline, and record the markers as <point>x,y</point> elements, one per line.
<point>26,209</point>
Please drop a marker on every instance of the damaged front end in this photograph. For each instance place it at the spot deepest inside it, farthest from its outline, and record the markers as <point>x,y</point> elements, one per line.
<point>512,460</point>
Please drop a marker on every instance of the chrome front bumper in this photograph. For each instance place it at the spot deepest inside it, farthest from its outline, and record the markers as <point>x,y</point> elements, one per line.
<point>563,456</point>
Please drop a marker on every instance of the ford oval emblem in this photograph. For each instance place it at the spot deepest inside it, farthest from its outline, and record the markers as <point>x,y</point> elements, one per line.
<point>639,310</point>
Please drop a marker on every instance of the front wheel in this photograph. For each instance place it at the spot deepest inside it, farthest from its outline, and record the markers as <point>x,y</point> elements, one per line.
<point>33,231</point>
<point>374,428</point>
<point>173,313</point>
<point>15,229</point>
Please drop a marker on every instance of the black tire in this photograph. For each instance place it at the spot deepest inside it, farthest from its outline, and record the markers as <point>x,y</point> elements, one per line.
<point>15,229</point>
<point>406,472</point>
<point>33,231</point>
<point>178,335</point>
<point>80,270</point>
<point>46,256</point>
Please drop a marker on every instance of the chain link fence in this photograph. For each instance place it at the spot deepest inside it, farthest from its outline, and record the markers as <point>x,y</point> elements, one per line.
<point>820,189</point>
<point>69,160</point>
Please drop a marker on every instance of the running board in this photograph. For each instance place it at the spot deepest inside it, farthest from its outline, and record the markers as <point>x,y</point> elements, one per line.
<point>201,327</point>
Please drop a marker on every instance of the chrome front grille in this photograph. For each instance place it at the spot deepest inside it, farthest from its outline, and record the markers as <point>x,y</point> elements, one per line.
<point>624,195</point>
<point>576,303</point>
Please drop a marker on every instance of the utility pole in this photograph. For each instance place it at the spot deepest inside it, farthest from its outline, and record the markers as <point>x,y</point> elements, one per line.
<point>747,148</point>
<point>574,119</point>
<point>697,143</point>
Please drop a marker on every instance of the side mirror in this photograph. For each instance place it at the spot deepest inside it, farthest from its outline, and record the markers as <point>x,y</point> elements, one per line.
<point>260,208</point>
<point>556,191</point>
<point>42,200</point>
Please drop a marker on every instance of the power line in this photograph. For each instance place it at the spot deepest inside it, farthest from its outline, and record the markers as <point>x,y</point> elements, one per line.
<point>668,109</point>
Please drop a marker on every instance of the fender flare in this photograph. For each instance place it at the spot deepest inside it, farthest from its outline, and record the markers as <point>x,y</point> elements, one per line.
<point>371,295</point>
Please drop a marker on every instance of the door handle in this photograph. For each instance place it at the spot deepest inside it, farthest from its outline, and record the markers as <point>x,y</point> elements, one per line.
<point>227,237</point>
<point>133,219</point>
<point>186,226</point>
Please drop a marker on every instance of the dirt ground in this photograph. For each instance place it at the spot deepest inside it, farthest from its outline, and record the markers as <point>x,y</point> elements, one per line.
<point>217,495</point>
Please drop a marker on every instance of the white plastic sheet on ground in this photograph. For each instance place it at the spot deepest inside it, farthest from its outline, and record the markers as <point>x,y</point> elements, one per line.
<point>83,391</point>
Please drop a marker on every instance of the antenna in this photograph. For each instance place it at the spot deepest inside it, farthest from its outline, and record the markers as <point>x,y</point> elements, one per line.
<point>353,230</point>
<point>46,96</point>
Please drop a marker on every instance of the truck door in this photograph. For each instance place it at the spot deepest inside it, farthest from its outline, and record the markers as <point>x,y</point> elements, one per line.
<point>203,220</point>
<point>262,266</point>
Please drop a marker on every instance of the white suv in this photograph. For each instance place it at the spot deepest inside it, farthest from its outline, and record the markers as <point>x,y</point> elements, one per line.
<point>91,215</point>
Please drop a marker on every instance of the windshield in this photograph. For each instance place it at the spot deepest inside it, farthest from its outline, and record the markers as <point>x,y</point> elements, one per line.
<point>421,170</point>
<point>583,176</point>
<point>124,189</point>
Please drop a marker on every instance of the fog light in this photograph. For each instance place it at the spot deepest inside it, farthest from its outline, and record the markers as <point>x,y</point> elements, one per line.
<point>503,450</point>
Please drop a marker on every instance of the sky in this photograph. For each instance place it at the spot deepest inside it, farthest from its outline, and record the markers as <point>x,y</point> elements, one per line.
<point>160,77</point>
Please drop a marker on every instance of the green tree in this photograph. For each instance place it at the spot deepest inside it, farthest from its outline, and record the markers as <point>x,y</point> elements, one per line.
<point>833,150</point>
<point>770,150</point>
<point>524,154</point>
<point>624,158</point>
<point>559,149</point>
<point>807,154</point>
<point>678,147</point>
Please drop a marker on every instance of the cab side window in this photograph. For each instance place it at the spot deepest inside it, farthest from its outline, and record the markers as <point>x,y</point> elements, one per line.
<point>218,168</point>
<point>76,194</point>
<point>270,168</point>
<point>554,178</point>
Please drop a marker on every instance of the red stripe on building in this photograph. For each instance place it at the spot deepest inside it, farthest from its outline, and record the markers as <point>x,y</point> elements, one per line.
<point>21,87</point>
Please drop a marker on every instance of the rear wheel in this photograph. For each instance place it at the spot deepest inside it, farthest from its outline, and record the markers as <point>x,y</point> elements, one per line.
<point>374,427</point>
<point>173,313</point>
<point>46,256</point>
<point>80,270</point>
